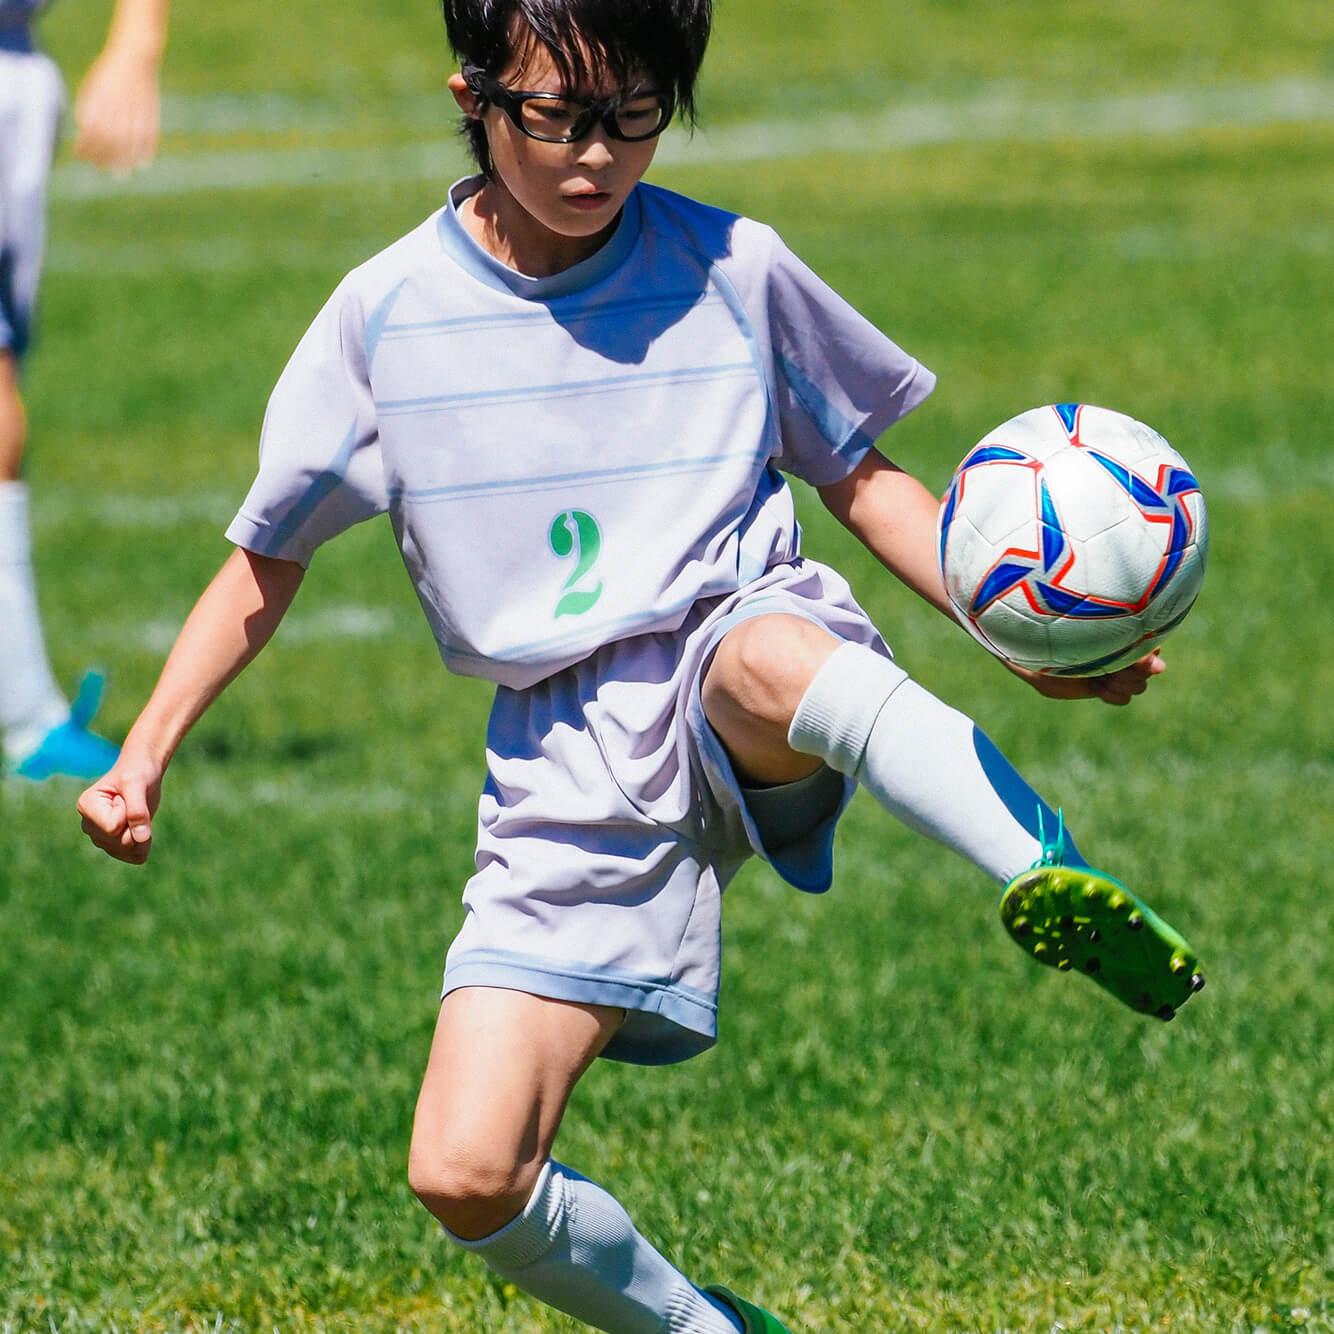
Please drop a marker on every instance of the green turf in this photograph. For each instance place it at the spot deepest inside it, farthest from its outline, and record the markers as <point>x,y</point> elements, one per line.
<point>207,1066</point>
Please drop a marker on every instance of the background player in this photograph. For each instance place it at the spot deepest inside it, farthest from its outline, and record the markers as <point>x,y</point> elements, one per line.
<point>573,393</point>
<point>116,112</point>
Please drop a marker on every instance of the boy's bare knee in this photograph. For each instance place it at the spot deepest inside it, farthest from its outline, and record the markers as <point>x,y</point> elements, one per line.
<point>469,1187</point>
<point>751,691</point>
<point>762,668</point>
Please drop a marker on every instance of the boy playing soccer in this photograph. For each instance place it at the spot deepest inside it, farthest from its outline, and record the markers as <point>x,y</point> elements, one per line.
<point>41,734</point>
<point>576,395</point>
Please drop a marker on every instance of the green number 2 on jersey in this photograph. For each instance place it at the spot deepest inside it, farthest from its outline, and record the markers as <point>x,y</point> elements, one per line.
<point>576,533</point>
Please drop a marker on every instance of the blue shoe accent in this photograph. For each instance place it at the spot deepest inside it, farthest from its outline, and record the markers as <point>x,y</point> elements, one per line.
<point>71,749</point>
<point>87,698</point>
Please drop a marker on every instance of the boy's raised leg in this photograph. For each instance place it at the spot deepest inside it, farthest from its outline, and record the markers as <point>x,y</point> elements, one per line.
<point>502,1067</point>
<point>782,693</point>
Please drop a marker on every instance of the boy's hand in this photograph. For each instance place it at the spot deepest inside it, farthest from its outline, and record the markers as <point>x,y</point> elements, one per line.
<point>116,112</point>
<point>1118,687</point>
<point>118,809</point>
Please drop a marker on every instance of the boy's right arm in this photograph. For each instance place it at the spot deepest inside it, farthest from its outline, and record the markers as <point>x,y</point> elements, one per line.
<point>231,622</point>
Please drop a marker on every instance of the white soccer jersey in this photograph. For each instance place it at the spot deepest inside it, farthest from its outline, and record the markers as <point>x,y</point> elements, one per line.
<point>573,460</point>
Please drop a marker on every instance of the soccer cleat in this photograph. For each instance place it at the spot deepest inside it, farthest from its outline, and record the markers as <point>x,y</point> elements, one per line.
<point>754,1319</point>
<point>1079,920</point>
<point>71,749</point>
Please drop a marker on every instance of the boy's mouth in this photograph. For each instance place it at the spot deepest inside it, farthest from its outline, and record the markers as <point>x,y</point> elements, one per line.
<point>588,200</point>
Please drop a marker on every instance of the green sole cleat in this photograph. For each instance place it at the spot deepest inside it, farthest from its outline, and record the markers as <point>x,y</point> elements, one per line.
<point>1080,921</point>
<point>755,1319</point>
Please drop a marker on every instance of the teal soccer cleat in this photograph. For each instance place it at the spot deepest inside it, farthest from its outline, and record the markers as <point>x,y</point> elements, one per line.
<point>754,1319</point>
<point>1076,919</point>
<point>71,749</point>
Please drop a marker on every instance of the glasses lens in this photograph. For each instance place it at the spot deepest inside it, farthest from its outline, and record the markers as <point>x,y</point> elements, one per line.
<point>551,118</point>
<point>642,117</point>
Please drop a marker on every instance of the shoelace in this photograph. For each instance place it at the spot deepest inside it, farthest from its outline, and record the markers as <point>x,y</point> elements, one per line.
<point>1053,853</point>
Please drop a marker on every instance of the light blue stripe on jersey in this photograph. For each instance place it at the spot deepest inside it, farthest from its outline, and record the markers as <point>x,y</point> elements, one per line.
<point>832,423</point>
<point>570,389</point>
<point>556,481</point>
<point>378,322</point>
<point>603,311</point>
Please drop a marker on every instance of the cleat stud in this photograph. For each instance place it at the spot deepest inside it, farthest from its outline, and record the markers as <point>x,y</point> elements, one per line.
<point>1093,965</point>
<point>1197,982</point>
<point>1178,964</point>
<point>1063,965</point>
<point>1022,927</point>
<point>1165,1012</point>
<point>1040,949</point>
<point>1117,902</point>
<point>1029,882</point>
<point>1094,936</point>
<point>1134,922</point>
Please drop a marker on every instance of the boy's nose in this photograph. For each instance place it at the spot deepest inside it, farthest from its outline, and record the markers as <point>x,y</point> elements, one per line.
<point>594,152</point>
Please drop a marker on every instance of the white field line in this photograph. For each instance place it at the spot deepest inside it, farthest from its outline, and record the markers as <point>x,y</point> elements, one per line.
<point>237,254</point>
<point>993,115</point>
<point>326,626</point>
<point>60,507</point>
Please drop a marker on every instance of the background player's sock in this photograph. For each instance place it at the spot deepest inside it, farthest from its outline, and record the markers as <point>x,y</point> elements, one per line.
<point>30,701</point>
<point>576,1249</point>
<point>926,763</point>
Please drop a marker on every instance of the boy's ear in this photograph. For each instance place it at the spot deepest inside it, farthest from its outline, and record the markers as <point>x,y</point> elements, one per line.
<point>463,95</point>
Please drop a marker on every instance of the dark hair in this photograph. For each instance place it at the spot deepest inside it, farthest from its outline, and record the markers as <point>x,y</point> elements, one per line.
<point>586,39</point>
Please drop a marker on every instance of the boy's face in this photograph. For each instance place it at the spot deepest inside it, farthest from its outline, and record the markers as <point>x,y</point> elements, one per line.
<point>575,189</point>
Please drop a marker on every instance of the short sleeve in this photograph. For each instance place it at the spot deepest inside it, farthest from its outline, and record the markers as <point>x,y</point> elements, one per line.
<point>319,456</point>
<point>840,382</point>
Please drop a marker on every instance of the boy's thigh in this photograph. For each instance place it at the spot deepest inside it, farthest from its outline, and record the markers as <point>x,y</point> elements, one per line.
<point>502,1066</point>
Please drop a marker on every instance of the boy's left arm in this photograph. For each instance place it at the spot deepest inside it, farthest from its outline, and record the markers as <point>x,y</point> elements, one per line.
<point>894,516</point>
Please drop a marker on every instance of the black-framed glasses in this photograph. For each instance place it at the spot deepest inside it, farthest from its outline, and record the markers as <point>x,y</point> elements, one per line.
<point>560,118</point>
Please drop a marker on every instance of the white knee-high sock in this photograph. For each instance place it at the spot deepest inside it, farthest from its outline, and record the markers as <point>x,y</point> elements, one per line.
<point>928,764</point>
<point>574,1248</point>
<point>30,701</point>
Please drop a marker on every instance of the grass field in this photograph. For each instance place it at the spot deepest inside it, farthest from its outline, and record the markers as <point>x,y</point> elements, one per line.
<point>207,1066</point>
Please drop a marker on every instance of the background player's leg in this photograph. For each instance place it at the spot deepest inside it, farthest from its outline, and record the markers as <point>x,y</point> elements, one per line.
<point>780,686</point>
<point>502,1066</point>
<point>31,703</point>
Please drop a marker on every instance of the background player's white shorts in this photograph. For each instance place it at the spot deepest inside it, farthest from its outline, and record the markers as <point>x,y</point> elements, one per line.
<point>32,98</point>
<point>611,821</point>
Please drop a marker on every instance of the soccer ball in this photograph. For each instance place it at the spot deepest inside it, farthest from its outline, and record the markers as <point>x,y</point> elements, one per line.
<point>1072,539</point>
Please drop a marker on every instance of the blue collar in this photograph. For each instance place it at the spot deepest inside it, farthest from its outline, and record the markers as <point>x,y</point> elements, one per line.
<point>485,267</point>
